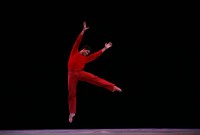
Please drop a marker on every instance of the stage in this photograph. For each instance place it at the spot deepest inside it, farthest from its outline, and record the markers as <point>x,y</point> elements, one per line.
<point>152,131</point>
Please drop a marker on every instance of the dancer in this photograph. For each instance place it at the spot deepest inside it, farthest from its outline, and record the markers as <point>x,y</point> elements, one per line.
<point>76,64</point>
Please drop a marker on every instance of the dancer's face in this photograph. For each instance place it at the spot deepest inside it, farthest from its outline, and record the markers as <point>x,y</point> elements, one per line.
<point>85,52</point>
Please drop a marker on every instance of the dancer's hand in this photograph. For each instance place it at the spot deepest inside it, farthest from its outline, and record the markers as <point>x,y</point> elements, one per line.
<point>108,45</point>
<point>85,26</point>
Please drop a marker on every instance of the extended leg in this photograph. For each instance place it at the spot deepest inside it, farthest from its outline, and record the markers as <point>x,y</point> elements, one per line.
<point>95,80</point>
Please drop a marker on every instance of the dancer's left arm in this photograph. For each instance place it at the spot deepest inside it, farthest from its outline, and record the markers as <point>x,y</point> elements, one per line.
<point>97,54</point>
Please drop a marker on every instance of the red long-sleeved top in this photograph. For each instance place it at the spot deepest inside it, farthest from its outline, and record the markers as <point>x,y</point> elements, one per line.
<point>78,61</point>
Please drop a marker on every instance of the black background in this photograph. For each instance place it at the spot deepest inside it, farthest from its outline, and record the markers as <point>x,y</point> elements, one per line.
<point>153,60</point>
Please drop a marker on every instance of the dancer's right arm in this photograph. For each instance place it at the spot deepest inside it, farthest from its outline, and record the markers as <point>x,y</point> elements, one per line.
<point>79,39</point>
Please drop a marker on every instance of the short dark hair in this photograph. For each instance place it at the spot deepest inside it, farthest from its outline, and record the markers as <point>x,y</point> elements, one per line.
<point>87,47</point>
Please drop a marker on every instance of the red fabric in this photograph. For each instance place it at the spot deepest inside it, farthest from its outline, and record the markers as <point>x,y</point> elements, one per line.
<point>76,65</point>
<point>75,76</point>
<point>78,61</point>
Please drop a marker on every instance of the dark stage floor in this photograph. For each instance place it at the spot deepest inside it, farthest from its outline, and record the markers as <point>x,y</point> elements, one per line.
<point>103,132</point>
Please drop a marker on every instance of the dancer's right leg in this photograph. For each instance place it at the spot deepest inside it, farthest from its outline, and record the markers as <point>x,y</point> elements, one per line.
<point>72,84</point>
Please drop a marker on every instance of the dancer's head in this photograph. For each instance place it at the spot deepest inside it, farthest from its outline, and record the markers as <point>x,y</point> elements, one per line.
<point>86,50</point>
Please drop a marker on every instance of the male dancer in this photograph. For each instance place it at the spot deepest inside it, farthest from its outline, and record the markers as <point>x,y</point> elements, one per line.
<point>76,64</point>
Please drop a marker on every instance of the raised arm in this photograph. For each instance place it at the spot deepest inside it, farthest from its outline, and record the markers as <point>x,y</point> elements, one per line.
<point>79,39</point>
<point>97,54</point>
<point>107,45</point>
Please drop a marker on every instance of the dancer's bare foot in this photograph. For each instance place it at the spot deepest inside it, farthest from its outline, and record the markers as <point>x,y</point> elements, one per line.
<point>71,115</point>
<point>117,89</point>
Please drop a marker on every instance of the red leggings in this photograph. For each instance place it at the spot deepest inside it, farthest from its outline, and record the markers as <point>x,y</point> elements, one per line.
<point>74,77</point>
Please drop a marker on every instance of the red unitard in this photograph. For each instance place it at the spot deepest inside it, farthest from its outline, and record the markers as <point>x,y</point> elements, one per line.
<point>76,65</point>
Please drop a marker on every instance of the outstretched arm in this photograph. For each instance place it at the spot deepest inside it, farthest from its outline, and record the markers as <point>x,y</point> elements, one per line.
<point>107,45</point>
<point>79,39</point>
<point>97,54</point>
